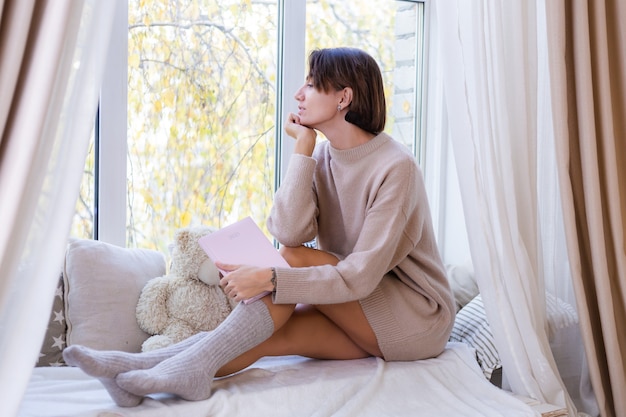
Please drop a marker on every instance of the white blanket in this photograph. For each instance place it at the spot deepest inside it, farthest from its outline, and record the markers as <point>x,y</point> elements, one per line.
<point>449,385</point>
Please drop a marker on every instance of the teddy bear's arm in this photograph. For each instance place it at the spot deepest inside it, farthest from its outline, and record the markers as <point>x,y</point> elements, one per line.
<point>152,315</point>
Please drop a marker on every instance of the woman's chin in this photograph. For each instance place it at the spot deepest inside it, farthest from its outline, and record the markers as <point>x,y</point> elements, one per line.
<point>305,123</point>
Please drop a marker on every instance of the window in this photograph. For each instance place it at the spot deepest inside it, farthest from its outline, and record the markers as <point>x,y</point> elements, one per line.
<point>201,106</point>
<point>209,82</point>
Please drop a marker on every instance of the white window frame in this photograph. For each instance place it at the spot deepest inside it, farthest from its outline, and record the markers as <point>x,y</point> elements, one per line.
<point>110,199</point>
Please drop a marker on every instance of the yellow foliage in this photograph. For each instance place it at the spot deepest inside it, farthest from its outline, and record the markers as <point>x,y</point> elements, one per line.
<point>133,61</point>
<point>185,219</point>
<point>194,11</point>
<point>147,198</point>
<point>168,97</point>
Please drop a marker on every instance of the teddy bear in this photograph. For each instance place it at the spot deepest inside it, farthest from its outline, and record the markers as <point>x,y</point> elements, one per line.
<point>188,299</point>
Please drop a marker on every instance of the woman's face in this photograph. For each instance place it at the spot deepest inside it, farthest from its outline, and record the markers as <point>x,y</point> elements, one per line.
<point>315,107</point>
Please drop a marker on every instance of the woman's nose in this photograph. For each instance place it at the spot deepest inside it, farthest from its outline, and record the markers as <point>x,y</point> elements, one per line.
<point>299,96</point>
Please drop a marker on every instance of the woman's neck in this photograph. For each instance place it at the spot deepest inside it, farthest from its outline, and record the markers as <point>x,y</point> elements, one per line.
<point>346,136</point>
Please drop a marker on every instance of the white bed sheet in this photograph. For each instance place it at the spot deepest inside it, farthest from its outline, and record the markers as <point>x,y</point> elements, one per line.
<point>450,385</point>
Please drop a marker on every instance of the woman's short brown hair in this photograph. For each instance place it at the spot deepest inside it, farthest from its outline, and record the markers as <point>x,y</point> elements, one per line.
<point>337,68</point>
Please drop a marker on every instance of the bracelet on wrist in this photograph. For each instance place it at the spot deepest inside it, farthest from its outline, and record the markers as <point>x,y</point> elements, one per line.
<point>273,279</point>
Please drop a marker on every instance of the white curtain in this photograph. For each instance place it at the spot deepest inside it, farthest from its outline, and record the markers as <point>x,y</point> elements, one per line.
<point>490,65</point>
<point>51,66</point>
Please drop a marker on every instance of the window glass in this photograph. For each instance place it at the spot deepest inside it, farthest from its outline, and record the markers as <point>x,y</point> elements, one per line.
<point>201,114</point>
<point>83,221</point>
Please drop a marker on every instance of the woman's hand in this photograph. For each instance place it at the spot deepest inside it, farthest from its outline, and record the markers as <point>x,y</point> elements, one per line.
<point>243,281</point>
<point>304,136</point>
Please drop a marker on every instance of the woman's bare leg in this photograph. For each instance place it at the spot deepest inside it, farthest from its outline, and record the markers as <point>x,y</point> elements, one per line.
<point>308,333</point>
<point>349,317</point>
<point>334,331</point>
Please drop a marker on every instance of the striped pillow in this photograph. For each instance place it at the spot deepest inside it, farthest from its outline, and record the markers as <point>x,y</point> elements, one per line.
<point>471,327</point>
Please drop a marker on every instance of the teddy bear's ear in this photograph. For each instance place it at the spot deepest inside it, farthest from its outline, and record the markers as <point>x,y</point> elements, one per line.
<point>182,239</point>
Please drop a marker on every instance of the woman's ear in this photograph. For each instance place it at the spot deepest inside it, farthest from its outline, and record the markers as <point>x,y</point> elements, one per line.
<point>346,97</point>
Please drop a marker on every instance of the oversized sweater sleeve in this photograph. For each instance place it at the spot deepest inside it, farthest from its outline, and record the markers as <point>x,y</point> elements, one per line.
<point>292,220</point>
<point>389,232</point>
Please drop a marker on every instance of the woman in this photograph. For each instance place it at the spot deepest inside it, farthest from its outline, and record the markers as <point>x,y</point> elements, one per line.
<point>375,287</point>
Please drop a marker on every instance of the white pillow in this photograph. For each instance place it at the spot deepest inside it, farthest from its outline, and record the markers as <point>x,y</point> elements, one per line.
<point>463,284</point>
<point>102,284</point>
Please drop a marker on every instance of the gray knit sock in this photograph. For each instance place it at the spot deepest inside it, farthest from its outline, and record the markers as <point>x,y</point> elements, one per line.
<point>190,373</point>
<point>105,365</point>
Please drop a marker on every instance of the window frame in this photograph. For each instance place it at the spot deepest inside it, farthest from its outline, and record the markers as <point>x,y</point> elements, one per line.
<point>111,136</point>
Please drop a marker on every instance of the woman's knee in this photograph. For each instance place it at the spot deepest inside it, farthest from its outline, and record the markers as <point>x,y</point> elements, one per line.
<point>291,254</point>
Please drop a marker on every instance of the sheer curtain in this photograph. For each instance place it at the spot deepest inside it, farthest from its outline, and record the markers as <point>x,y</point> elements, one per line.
<point>588,74</point>
<point>494,86</point>
<point>51,58</point>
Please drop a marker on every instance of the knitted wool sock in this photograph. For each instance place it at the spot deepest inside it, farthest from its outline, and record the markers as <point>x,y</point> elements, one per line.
<point>105,365</point>
<point>190,373</point>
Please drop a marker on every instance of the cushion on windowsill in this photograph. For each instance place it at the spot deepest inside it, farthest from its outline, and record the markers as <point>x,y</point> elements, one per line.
<point>51,353</point>
<point>462,283</point>
<point>102,283</point>
<point>471,327</point>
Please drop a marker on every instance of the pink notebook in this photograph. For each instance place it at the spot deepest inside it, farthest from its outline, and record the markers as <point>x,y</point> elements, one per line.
<point>242,243</point>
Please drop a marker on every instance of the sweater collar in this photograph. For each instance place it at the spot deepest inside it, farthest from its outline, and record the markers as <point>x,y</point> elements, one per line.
<point>361,151</point>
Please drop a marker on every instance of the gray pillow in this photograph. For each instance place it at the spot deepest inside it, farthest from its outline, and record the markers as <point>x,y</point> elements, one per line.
<point>102,284</point>
<point>51,353</point>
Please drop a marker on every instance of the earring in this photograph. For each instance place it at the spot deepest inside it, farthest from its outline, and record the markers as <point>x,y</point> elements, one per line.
<point>339,107</point>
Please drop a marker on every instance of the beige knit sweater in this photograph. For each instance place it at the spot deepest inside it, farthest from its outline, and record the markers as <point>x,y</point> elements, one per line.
<point>368,206</point>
